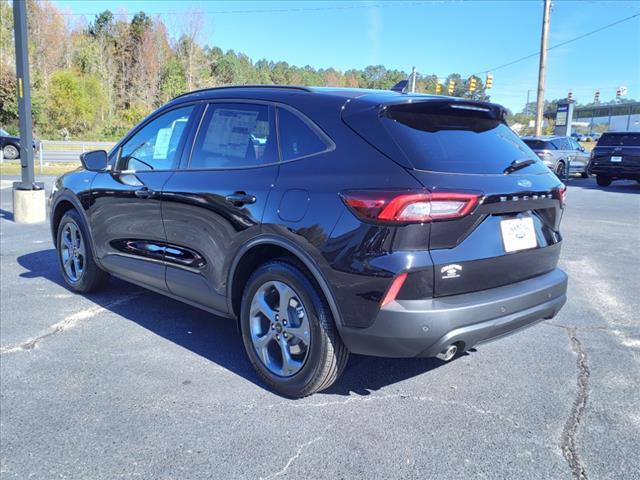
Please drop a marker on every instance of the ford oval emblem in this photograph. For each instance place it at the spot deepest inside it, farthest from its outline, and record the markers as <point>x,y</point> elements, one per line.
<point>524,183</point>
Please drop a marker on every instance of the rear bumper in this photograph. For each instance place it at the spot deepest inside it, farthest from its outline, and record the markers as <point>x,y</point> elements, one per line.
<point>423,328</point>
<point>577,167</point>
<point>616,171</point>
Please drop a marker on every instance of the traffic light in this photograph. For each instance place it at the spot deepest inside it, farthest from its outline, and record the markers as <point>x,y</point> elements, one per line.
<point>472,84</point>
<point>438,87</point>
<point>570,95</point>
<point>489,82</point>
<point>452,85</point>
<point>596,97</point>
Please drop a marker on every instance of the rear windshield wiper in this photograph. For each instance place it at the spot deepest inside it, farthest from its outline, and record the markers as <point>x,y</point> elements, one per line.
<point>518,164</point>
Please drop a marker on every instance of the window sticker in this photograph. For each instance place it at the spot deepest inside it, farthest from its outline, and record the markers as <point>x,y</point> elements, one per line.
<point>229,132</point>
<point>161,147</point>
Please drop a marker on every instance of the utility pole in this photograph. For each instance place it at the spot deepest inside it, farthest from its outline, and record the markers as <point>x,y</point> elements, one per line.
<point>543,66</point>
<point>413,80</point>
<point>526,105</point>
<point>28,196</point>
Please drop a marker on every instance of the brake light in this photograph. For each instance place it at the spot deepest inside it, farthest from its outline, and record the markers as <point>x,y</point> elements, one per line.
<point>562,195</point>
<point>409,207</point>
<point>395,287</point>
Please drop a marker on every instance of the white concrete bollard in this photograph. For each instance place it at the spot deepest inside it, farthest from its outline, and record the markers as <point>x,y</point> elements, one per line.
<point>29,206</point>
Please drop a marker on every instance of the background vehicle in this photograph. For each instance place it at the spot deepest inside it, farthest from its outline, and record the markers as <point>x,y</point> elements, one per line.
<point>10,145</point>
<point>373,222</point>
<point>616,156</point>
<point>558,152</point>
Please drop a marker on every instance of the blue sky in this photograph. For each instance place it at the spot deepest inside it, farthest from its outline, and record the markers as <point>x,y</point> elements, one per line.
<point>439,37</point>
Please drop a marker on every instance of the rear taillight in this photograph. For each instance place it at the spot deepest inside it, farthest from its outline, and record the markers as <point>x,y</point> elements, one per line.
<point>562,195</point>
<point>409,207</point>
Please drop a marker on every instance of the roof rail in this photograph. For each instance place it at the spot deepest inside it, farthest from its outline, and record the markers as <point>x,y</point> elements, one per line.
<point>224,87</point>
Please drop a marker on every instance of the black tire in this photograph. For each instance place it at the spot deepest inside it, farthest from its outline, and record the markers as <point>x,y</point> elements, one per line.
<point>560,170</point>
<point>10,152</point>
<point>92,277</point>
<point>603,181</point>
<point>327,356</point>
<point>584,175</point>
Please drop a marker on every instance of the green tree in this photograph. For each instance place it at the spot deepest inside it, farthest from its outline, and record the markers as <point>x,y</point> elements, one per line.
<point>72,102</point>
<point>173,81</point>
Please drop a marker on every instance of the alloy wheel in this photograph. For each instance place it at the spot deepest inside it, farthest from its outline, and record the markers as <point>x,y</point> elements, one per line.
<point>72,252</point>
<point>279,327</point>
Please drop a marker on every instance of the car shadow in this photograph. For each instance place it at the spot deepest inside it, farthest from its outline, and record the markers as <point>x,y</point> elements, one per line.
<point>215,338</point>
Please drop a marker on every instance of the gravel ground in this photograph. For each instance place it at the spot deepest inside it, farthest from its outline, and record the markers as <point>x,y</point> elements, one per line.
<point>130,384</point>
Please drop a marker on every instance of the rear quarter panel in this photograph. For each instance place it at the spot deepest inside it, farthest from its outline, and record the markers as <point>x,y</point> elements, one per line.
<point>304,206</point>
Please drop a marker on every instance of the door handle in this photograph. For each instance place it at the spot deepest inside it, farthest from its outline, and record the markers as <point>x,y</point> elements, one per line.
<point>144,192</point>
<point>240,198</point>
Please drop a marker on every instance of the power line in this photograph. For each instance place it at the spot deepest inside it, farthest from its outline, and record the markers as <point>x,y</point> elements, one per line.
<point>274,10</point>
<point>557,45</point>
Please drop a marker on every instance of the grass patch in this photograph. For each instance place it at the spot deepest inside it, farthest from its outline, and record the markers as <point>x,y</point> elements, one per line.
<point>51,169</point>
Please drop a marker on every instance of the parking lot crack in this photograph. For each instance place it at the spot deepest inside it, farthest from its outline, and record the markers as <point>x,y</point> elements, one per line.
<point>403,396</point>
<point>65,324</point>
<point>291,460</point>
<point>569,441</point>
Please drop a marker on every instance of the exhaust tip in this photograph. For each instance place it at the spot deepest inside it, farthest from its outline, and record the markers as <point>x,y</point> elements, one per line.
<point>448,353</point>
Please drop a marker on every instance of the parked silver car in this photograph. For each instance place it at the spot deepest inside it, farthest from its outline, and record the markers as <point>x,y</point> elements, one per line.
<point>559,152</point>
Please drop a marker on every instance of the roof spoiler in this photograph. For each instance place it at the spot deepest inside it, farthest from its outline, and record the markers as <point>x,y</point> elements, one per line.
<point>400,87</point>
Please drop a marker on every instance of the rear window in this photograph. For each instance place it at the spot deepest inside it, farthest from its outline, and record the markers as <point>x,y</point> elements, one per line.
<point>539,144</point>
<point>296,137</point>
<point>619,140</point>
<point>444,137</point>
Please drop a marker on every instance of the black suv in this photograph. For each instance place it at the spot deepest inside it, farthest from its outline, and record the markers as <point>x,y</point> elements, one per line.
<point>324,221</point>
<point>616,156</point>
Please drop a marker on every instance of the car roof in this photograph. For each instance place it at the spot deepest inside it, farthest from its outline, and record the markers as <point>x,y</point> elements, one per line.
<point>275,92</point>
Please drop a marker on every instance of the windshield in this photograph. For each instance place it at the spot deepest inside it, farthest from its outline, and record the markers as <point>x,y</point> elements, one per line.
<point>452,138</point>
<point>4,133</point>
<point>619,140</point>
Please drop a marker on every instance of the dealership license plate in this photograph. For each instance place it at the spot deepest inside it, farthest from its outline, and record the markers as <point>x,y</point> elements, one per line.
<point>518,234</point>
<point>616,159</point>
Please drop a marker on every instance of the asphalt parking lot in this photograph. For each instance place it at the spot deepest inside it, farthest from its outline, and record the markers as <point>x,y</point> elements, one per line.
<point>130,384</point>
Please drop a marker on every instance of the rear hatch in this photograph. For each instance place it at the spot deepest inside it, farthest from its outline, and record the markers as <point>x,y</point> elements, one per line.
<point>617,150</point>
<point>457,146</point>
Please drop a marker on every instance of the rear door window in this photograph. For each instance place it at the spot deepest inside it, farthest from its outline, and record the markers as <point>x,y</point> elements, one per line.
<point>619,140</point>
<point>235,135</point>
<point>561,144</point>
<point>574,145</point>
<point>453,138</point>
<point>297,138</point>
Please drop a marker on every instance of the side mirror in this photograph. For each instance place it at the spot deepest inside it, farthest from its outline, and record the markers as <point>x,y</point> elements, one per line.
<point>95,161</point>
